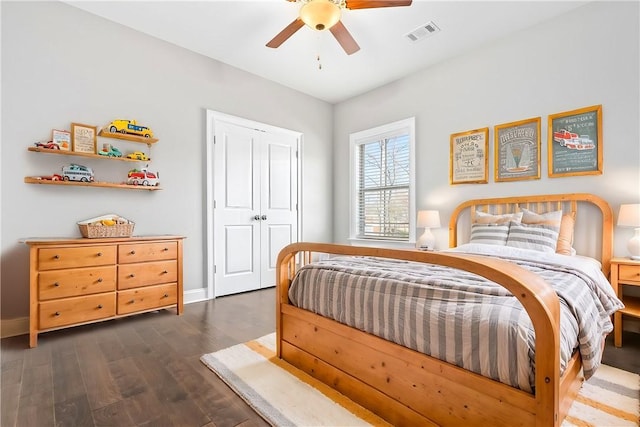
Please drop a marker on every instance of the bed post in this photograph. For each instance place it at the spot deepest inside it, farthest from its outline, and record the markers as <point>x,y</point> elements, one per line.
<point>285,270</point>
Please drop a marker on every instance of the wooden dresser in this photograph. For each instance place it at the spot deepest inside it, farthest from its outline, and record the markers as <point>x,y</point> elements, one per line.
<point>79,281</point>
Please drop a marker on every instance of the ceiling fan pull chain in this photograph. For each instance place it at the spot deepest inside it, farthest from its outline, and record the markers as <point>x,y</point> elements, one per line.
<point>319,45</point>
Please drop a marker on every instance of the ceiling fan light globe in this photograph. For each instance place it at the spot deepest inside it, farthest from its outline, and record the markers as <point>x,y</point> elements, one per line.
<point>320,14</point>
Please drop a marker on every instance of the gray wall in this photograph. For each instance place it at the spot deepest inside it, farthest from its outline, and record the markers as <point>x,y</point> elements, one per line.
<point>63,65</point>
<point>589,56</point>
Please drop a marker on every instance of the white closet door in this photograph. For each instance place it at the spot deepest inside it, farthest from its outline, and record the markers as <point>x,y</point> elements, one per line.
<point>255,214</point>
<point>278,203</point>
<point>237,198</point>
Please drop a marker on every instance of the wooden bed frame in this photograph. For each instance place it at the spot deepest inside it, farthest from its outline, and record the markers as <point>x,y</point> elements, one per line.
<point>406,387</point>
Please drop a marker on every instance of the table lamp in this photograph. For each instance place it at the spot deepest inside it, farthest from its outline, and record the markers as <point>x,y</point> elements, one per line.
<point>427,220</point>
<point>629,216</point>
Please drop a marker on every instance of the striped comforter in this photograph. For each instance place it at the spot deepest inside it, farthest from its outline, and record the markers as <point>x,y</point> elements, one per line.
<point>459,317</point>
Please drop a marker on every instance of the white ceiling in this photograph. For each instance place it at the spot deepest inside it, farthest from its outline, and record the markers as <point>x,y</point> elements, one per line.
<point>235,32</point>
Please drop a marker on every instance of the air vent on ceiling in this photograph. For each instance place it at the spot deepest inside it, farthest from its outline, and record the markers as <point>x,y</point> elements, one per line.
<point>423,31</point>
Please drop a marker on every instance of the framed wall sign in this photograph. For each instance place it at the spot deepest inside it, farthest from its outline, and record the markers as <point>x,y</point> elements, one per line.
<point>517,150</point>
<point>83,138</point>
<point>469,161</point>
<point>575,142</point>
<point>62,139</point>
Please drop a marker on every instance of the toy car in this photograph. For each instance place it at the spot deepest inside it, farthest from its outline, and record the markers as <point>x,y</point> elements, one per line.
<point>142,177</point>
<point>137,155</point>
<point>112,152</point>
<point>75,172</point>
<point>130,127</point>
<point>48,145</point>
<point>54,177</point>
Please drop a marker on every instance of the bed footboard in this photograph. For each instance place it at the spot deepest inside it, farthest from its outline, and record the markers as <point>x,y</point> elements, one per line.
<point>406,387</point>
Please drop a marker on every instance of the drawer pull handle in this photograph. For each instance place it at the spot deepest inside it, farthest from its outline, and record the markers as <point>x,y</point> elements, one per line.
<point>165,249</point>
<point>99,254</point>
<point>165,272</point>
<point>131,302</point>
<point>132,252</point>
<point>99,305</point>
<point>100,280</point>
<point>57,313</point>
<point>56,257</point>
<point>56,284</point>
<point>165,296</point>
<point>132,275</point>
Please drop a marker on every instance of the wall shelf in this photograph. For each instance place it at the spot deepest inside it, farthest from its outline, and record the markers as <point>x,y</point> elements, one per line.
<point>106,134</point>
<point>127,137</point>
<point>75,153</point>
<point>38,180</point>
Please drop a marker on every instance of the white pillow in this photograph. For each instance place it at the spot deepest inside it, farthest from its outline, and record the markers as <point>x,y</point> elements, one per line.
<point>486,218</point>
<point>542,238</point>
<point>490,234</point>
<point>548,218</point>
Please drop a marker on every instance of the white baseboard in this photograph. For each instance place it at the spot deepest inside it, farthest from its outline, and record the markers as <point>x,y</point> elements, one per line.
<point>20,325</point>
<point>195,295</point>
<point>14,327</point>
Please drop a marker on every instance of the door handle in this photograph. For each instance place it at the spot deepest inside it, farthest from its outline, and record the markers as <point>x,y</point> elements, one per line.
<point>263,217</point>
<point>257,217</point>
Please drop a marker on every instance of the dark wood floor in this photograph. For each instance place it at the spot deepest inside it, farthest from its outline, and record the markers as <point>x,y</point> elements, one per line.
<point>138,371</point>
<point>145,370</point>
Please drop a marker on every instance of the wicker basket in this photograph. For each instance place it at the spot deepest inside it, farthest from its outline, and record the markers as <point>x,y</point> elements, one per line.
<point>90,230</point>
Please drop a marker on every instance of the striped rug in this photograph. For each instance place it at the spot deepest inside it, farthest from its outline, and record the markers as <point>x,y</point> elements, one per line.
<point>283,395</point>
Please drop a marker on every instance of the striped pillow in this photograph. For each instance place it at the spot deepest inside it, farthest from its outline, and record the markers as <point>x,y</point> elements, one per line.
<point>489,234</point>
<point>542,238</point>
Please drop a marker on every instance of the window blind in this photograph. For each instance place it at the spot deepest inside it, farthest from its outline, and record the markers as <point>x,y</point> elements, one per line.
<point>383,188</point>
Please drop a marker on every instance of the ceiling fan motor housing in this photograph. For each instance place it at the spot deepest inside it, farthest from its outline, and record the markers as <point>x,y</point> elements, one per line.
<point>320,14</point>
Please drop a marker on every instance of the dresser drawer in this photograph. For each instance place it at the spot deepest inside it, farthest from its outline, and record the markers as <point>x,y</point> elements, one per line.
<point>147,298</point>
<point>75,282</point>
<point>76,310</point>
<point>141,252</point>
<point>147,273</point>
<point>83,256</point>
<point>629,273</point>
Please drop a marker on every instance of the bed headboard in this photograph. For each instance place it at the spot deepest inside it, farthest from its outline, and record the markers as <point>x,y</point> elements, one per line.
<point>599,230</point>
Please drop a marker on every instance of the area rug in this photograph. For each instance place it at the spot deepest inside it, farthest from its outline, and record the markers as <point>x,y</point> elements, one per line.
<point>286,396</point>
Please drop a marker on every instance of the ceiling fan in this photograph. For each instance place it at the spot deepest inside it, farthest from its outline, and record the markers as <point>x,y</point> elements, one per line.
<point>325,15</point>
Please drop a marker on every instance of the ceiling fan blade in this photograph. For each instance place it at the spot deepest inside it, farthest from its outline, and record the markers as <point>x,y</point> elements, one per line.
<point>345,39</point>
<point>283,35</point>
<point>370,4</point>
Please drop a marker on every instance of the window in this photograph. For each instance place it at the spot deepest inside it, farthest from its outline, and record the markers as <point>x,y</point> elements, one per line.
<point>382,180</point>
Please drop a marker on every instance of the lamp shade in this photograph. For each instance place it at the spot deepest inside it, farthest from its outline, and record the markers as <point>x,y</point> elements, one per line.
<point>629,215</point>
<point>428,219</point>
<point>320,14</point>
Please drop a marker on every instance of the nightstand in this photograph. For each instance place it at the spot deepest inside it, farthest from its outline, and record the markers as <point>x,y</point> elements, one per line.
<point>624,272</point>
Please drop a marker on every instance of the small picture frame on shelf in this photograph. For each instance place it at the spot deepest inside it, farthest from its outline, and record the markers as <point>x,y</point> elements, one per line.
<point>62,138</point>
<point>83,138</point>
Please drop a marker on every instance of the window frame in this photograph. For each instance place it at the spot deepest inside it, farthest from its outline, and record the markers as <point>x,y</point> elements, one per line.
<point>357,139</point>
